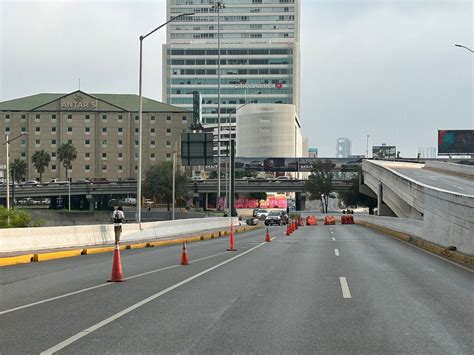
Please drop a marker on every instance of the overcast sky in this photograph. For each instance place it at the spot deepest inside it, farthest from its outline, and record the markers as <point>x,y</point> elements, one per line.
<point>384,68</point>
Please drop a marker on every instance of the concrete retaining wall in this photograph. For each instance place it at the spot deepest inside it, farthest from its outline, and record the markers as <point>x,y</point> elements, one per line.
<point>403,225</point>
<point>24,239</point>
<point>75,218</point>
<point>461,169</point>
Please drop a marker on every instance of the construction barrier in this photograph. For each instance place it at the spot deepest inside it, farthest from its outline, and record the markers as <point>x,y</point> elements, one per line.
<point>347,219</point>
<point>311,221</point>
<point>329,220</point>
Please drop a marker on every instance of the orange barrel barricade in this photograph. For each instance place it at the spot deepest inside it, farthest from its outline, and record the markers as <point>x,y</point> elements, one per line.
<point>311,221</point>
<point>344,219</point>
<point>329,220</point>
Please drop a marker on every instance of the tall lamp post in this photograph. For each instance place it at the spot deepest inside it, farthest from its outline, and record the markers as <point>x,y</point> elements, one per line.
<point>218,5</point>
<point>7,144</point>
<point>461,46</point>
<point>367,148</point>
<point>230,169</point>
<point>140,120</point>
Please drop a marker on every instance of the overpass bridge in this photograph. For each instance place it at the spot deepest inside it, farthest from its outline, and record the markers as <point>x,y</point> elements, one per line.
<point>433,200</point>
<point>101,193</point>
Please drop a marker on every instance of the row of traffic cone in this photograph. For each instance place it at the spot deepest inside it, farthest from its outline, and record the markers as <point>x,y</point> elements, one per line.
<point>292,226</point>
<point>117,274</point>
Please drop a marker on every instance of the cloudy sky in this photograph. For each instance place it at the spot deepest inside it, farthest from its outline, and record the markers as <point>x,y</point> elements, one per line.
<point>384,68</point>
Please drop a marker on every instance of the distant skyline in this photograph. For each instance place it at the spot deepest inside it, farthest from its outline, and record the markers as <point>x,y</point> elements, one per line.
<point>384,68</point>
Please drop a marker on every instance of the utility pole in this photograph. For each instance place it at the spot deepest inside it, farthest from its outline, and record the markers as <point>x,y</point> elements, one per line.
<point>367,148</point>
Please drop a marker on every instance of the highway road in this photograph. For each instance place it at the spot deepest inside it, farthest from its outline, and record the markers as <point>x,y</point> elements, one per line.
<point>329,289</point>
<point>449,182</point>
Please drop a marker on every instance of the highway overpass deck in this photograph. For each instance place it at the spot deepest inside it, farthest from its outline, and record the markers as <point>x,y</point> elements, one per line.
<point>439,180</point>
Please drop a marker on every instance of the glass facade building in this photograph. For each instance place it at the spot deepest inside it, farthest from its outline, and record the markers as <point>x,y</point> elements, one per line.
<point>259,55</point>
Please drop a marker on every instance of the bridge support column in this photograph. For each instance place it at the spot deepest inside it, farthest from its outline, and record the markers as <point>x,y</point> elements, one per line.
<point>300,201</point>
<point>91,201</point>
<point>382,208</point>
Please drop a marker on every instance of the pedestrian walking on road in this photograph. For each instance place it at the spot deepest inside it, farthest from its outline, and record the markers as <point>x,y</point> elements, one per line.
<point>118,217</point>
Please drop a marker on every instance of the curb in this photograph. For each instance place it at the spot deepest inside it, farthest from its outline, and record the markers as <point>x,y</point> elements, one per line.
<point>38,257</point>
<point>456,256</point>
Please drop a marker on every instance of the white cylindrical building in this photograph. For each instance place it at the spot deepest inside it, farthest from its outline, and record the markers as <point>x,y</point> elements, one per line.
<point>268,130</point>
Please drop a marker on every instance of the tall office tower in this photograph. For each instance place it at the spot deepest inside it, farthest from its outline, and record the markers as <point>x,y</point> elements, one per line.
<point>259,56</point>
<point>343,148</point>
<point>427,152</point>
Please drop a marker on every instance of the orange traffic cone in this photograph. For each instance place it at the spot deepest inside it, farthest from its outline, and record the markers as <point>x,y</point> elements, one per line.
<point>267,236</point>
<point>231,247</point>
<point>288,229</point>
<point>184,255</point>
<point>117,275</point>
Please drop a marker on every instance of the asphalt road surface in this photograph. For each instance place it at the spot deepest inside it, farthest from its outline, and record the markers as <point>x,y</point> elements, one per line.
<point>324,289</point>
<point>440,180</point>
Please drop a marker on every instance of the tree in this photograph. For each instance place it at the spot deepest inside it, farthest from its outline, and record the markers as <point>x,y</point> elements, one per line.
<point>258,196</point>
<point>66,154</point>
<point>319,184</point>
<point>353,198</point>
<point>159,182</point>
<point>40,160</point>
<point>242,174</point>
<point>18,169</point>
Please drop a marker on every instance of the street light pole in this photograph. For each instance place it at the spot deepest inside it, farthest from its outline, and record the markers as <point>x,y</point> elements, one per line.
<point>461,46</point>
<point>219,5</point>
<point>7,144</point>
<point>367,148</point>
<point>174,179</point>
<point>138,216</point>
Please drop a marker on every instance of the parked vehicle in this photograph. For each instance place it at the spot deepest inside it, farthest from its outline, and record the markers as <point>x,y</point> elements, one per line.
<point>82,181</point>
<point>31,183</point>
<point>254,212</point>
<point>55,182</point>
<point>262,214</point>
<point>276,217</point>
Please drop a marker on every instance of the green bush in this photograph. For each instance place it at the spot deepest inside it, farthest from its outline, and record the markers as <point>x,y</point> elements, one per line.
<point>295,215</point>
<point>16,219</point>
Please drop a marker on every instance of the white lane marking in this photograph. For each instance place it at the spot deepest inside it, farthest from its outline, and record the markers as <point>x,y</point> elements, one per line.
<point>116,316</point>
<point>98,286</point>
<point>460,188</point>
<point>334,239</point>
<point>432,178</point>
<point>345,288</point>
<point>336,252</point>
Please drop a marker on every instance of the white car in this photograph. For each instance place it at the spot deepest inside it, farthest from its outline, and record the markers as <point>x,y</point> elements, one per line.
<point>31,183</point>
<point>262,214</point>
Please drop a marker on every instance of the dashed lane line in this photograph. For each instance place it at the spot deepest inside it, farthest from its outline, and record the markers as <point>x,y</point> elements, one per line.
<point>346,293</point>
<point>336,252</point>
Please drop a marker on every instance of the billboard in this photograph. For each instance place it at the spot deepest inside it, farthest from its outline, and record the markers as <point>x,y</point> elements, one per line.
<point>455,141</point>
<point>384,151</point>
<point>197,149</point>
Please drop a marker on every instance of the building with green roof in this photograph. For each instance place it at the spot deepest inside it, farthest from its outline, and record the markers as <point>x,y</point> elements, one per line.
<point>102,127</point>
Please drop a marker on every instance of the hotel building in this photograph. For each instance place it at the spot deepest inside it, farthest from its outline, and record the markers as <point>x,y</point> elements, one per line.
<point>102,127</point>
